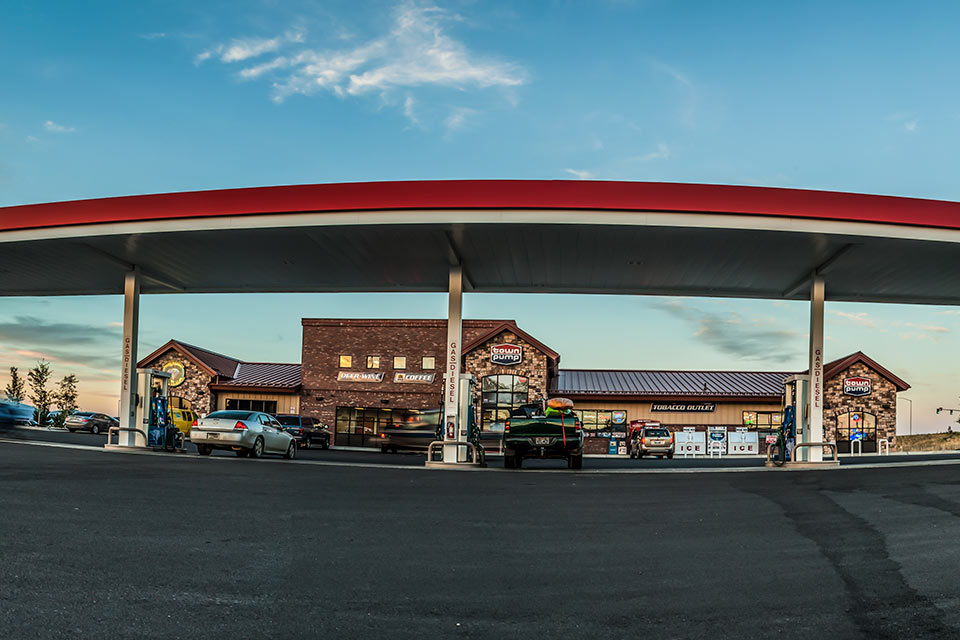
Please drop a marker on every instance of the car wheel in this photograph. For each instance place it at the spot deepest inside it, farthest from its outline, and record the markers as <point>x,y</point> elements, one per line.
<point>257,449</point>
<point>575,462</point>
<point>393,449</point>
<point>307,443</point>
<point>670,456</point>
<point>641,454</point>
<point>243,453</point>
<point>519,462</point>
<point>95,430</point>
<point>325,445</point>
<point>509,462</point>
<point>204,450</point>
<point>70,430</point>
<point>291,451</point>
<point>384,449</point>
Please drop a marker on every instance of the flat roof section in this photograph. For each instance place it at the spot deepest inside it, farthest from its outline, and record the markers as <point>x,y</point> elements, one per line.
<point>510,236</point>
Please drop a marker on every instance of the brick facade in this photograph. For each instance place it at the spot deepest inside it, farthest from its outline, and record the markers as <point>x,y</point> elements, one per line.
<point>196,384</point>
<point>881,402</point>
<point>324,341</point>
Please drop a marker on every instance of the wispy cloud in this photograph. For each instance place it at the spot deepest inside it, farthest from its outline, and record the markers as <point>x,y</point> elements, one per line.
<point>908,121</point>
<point>927,327</point>
<point>53,127</point>
<point>729,332</point>
<point>580,174</point>
<point>417,52</point>
<point>152,36</point>
<point>861,318</point>
<point>458,118</point>
<point>662,153</point>
<point>687,110</point>
<point>68,343</point>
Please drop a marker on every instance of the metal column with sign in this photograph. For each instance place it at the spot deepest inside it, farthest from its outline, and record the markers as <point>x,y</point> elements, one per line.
<point>452,453</point>
<point>813,431</point>
<point>128,362</point>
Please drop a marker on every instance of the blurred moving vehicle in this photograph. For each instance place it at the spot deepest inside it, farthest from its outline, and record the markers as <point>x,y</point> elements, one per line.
<point>15,413</point>
<point>305,430</point>
<point>249,433</point>
<point>89,421</point>
<point>182,419</point>
<point>415,433</point>
<point>656,441</point>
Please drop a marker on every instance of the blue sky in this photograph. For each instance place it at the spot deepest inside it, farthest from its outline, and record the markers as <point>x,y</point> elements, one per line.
<point>112,98</point>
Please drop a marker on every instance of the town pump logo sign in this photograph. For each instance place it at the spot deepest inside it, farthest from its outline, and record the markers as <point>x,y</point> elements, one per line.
<point>857,386</point>
<point>507,354</point>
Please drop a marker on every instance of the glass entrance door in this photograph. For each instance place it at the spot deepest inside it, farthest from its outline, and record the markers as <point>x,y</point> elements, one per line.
<point>856,425</point>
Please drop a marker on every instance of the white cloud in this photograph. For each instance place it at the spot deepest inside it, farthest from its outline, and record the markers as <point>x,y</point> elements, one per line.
<point>408,110</point>
<point>152,36</point>
<point>458,118</point>
<point>662,153</point>
<point>927,327</point>
<point>416,52</point>
<point>580,175</point>
<point>53,127</point>
<point>949,312</point>
<point>910,125</point>
<point>33,139</point>
<point>857,318</point>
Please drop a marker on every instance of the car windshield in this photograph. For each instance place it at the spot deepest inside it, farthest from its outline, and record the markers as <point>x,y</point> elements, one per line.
<point>657,433</point>
<point>231,415</point>
<point>293,421</point>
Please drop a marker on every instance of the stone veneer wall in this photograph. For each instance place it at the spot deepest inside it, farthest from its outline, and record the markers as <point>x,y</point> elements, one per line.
<point>195,386</point>
<point>882,402</point>
<point>533,366</point>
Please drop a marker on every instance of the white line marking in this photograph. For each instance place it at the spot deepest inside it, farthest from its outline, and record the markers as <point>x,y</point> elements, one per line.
<point>374,465</point>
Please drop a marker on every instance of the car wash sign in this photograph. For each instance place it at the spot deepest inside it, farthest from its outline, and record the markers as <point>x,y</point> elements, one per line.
<point>506,354</point>
<point>857,386</point>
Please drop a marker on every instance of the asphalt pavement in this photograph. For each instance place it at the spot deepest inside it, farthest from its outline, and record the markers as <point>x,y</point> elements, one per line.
<point>98,544</point>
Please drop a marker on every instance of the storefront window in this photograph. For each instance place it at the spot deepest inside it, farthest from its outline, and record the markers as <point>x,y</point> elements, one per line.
<point>601,420</point>
<point>361,426</point>
<point>857,425</point>
<point>499,395</point>
<point>373,362</point>
<point>400,362</point>
<point>265,406</point>
<point>428,363</point>
<point>346,362</point>
<point>763,420</point>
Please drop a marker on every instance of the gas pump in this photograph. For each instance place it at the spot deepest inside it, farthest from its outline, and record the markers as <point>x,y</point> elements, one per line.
<point>462,428</point>
<point>153,404</point>
<point>797,395</point>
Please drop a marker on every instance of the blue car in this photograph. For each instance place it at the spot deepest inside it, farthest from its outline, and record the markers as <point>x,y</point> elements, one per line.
<point>15,413</point>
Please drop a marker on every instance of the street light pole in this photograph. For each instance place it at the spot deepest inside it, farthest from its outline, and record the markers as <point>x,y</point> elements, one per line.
<point>911,413</point>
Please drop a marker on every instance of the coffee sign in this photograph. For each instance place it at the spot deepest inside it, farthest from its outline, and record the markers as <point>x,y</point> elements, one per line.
<point>858,386</point>
<point>506,354</point>
<point>423,378</point>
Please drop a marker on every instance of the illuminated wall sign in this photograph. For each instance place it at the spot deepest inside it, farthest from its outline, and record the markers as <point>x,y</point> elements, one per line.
<point>176,371</point>
<point>685,407</point>
<point>423,378</point>
<point>857,386</point>
<point>360,376</point>
<point>507,354</point>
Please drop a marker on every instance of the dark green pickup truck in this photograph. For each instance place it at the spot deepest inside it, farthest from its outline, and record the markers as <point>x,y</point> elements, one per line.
<point>529,433</point>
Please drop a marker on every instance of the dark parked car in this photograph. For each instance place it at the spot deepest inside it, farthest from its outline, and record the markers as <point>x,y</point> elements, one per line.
<point>89,421</point>
<point>305,430</point>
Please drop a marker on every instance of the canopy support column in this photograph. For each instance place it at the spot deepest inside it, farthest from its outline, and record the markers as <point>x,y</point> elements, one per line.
<point>128,367</point>
<point>814,426</point>
<point>451,376</point>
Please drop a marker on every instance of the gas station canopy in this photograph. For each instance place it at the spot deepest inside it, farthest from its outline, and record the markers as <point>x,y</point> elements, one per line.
<point>509,236</point>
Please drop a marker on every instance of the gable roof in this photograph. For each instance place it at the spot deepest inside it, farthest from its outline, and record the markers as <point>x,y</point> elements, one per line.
<point>216,364</point>
<point>736,384</point>
<point>509,325</point>
<point>837,366</point>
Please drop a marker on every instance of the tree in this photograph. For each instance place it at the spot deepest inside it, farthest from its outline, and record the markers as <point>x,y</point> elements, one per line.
<point>66,397</point>
<point>40,396</point>
<point>15,390</point>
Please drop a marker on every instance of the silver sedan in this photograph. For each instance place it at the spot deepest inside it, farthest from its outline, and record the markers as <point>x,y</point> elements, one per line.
<point>249,433</point>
